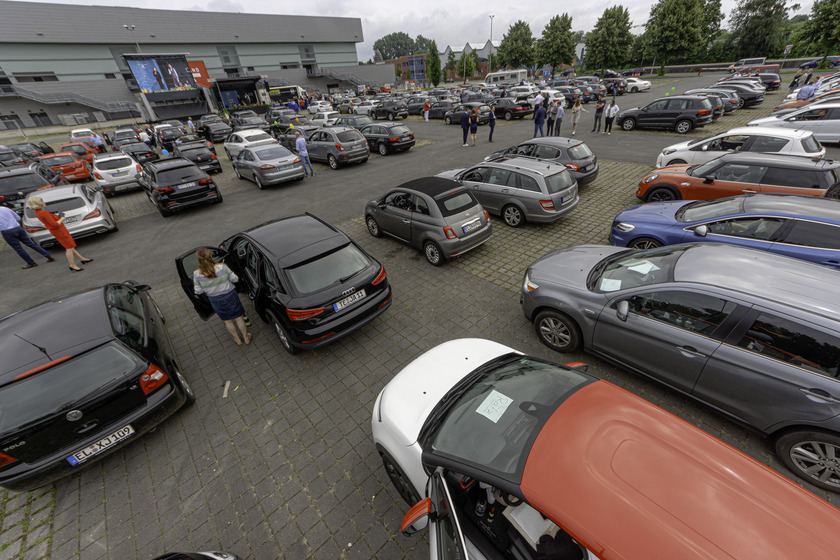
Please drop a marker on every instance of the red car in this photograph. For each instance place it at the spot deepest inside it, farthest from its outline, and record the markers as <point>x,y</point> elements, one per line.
<point>71,166</point>
<point>81,149</point>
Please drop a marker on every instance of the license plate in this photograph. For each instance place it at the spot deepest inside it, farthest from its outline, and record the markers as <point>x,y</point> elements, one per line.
<point>349,300</point>
<point>288,166</point>
<point>100,446</point>
<point>120,173</point>
<point>206,167</point>
<point>71,219</point>
<point>471,226</point>
<point>186,185</point>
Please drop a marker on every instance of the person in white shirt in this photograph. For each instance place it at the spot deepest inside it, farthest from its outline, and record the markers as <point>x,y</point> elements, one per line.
<point>537,102</point>
<point>612,111</point>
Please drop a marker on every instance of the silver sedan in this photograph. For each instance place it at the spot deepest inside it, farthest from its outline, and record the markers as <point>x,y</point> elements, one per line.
<point>268,165</point>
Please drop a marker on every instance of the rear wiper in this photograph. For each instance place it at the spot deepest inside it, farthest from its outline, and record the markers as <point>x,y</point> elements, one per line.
<point>348,277</point>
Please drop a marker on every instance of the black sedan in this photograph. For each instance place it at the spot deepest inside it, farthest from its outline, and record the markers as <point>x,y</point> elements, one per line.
<point>388,137</point>
<point>214,131</point>
<point>140,152</point>
<point>30,150</point>
<point>17,182</point>
<point>10,158</point>
<point>747,96</point>
<point>573,153</point>
<point>174,184</point>
<point>306,278</point>
<point>440,108</point>
<point>81,376</point>
<point>390,108</point>
<point>200,155</point>
<point>453,116</point>
<point>507,108</point>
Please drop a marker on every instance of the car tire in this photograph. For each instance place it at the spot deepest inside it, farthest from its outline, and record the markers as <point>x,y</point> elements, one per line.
<point>238,174</point>
<point>219,199</point>
<point>187,389</point>
<point>508,116</point>
<point>283,335</point>
<point>355,112</point>
<point>806,450</point>
<point>634,89</point>
<point>373,226</point>
<point>447,120</point>
<point>433,253</point>
<point>683,127</point>
<point>513,216</point>
<point>383,149</point>
<point>644,243</point>
<point>332,161</point>
<point>740,104</point>
<point>628,124</point>
<point>108,195</point>
<point>398,479</point>
<point>558,331</point>
<point>390,116</point>
<point>258,182</point>
<point>661,194</point>
<point>675,162</point>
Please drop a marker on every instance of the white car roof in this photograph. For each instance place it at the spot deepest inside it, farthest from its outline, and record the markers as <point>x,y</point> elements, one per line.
<point>57,193</point>
<point>774,130</point>
<point>249,132</point>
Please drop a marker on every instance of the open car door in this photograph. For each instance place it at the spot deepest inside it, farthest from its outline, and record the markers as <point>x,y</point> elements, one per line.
<point>186,264</point>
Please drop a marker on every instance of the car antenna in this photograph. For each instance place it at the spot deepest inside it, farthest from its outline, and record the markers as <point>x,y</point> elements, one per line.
<point>41,348</point>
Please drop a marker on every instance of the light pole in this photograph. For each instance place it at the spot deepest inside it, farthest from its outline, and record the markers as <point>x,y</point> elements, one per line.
<point>131,28</point>
<point>490,64</point>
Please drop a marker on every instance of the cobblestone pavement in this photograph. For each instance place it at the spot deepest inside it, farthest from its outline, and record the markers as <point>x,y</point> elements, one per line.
<point>283,466</point>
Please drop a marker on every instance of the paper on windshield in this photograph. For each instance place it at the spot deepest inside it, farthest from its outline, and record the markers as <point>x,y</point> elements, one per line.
<point>494,405</point>
<point>610,284</point>
<point>643,267</point>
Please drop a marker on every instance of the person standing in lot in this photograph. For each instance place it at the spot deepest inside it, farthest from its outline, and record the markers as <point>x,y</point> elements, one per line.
<point>190,125</point>
<point>795,81</point>
<point>599,113</point>
<point>216,281</point>
<point>539,119</point>
<point>550,116</point>
<point>474,125</point>
<point>57,228</point>
<point>612,111</point>
<point>465,125</point>
<point>15,235</point>
<point>426,109</point>
<point>144,137</point>
<point>576,111</point>
<point>538,102</point>
<point>558,119</point>
<point>97,140</point>
<point>107,140</point>
<point>300,146</point>
<point>492,123</point>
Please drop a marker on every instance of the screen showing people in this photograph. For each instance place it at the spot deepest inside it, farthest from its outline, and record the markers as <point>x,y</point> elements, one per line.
<point>160,74</point>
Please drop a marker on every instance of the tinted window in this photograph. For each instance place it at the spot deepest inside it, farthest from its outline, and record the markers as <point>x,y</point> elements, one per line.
<point>813,234</point>
<point>581,151</point>
<point>706,209</point>
<point>559,181</point>
<point>679,104</point>
<point>528,183</point>
<point>793,343</point>
<point>327,269</point>
<point>546,152</point>
<point>55,206</point>
<point>792,178</point>
<point>768,144</point>
<point>811,144</point>
<point>752,228</point>
<point>179,175</point>
<point>400,130</point>
<point>459,201</point>
<point>195,152</point>
<point>698,313</point>
<point>349,136</point>
<point>126,311</point>
<point>57,160</point>
<point>27,181</point>
<point>35,397</point>
<point>740,173</point>
<point>112,163</point>
<point>657,105</point>
<point>636,269</point>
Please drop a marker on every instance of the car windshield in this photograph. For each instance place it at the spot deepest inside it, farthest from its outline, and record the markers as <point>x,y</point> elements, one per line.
<point>59,160</point>
<point>34,398</point>
<point>635,269</point>
<point>125,134</point>
<point>275,152</point>
<point>113,163</point>
<point>60,205</point>
<point>350,136</point>
<point>496,418</point>
<point>581,151</point>
<point>251,120</point>
<point>703,169</point>
<point>329,269</point>
<point>179,175</point>
<point>709,209</point>
<point>26,181</point>
<point>559,181</point>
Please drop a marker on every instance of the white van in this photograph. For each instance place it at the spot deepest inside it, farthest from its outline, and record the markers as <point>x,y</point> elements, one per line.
<point>508,76</point>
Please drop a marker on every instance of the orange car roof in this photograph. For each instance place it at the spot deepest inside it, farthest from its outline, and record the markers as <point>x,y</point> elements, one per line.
<point>631,481</point>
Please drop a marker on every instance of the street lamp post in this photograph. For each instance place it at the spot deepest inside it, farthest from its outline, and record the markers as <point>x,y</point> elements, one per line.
<point>490,64</point>
<point>131,28</point>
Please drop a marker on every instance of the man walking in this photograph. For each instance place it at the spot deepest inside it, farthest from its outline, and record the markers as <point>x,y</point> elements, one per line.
<point>612,111</point>
<point>15,235</point>
<point>492,124</point>
<point>558,119</point>
<point>426,109</point>
<point>599,113</point>
<point>551,115</point>
<point>539,119</point>
<point>465,126</point>
<point>300,146</point>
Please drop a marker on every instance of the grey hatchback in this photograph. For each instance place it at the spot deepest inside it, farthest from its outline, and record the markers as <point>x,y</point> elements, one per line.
<point>753,335</point>
<point>337,146</point>
<point>268,165</point>
<point>572,153</point>
<point>520,189</point>
<point>436,215</point>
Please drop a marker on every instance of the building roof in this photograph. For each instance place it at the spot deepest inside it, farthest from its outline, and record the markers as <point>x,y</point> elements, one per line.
<point>34,22</point>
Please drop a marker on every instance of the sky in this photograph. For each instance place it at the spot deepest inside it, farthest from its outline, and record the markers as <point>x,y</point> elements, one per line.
<point>446,21</point>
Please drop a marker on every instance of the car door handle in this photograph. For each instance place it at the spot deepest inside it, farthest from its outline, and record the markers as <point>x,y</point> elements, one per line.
<point>690,352</point>
<point>820,394</point>
<point>831,263</point>
<point>406,221</point>
<point>747,191</point>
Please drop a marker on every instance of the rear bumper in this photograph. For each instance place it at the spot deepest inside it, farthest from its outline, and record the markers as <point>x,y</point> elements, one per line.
<point>548,216</point>
<point>586,177</point>
<point>455,247</point>
<point>194,200</point>
<point>279,176</point>
<point>401,144</point>
<point>216,165</point>
<point>118,186</point>
<point>353,157</point>
<point>86,228</point>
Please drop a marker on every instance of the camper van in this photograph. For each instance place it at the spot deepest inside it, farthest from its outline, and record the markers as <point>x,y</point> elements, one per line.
<point>506,76</point>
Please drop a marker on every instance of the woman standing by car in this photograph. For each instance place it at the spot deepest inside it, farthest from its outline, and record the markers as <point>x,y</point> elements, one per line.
<point>576,111</point>
<point>474,125</point>
<point>57,228</point>
<point>216,280</point>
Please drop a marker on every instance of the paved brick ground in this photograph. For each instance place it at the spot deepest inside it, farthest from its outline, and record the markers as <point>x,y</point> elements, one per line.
<point>283,467</point>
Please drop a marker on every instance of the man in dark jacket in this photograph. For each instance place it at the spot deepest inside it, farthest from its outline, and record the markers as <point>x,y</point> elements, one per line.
<point>539,119</point>
<point>465,125</point>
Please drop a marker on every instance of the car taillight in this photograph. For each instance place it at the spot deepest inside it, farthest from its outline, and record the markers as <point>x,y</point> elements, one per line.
<point>450,234</point>
<point>152,379</point>
<point>139,169</point>
<point>33,229</point>
<point>209,144</point>
<point>205,181</point>
<point>304,314</point>
<point>212,156</point>
<point>162,190</point>
<point>266,166</point>
<point>547,204</point>
<point>702,112</point>
<point>95,214</point>
<point>6,460</point>
<point>297,160</point>
<point>573,167</point>
<point>393,139</point>
<point>97,175</point>
<point>379,277</point>
<point>338,147</point>
<point>487,216</point>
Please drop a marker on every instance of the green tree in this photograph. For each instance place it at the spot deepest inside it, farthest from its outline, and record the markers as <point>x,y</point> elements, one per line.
<point>608,44</point>
<point>557,44</point>
<point>469,61</point>
<point>578,36</point>
<point>823,27</point>
<point>757,27</point>
<point>433,73</point>
<point>674,29</point>
<point>422,45</point>
<point>712,17</point>
<point>450,61</point>
<point>517,47</point>
<point>394,45</point>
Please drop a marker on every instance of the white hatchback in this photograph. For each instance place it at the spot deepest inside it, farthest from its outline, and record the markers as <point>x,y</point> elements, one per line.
<point>365,107</point>
<point>744,139</point>
<point>325,118</point>
<point>316,106</point>
<point>249,138</point>
<point>116,172</point>
<point>823,119</point>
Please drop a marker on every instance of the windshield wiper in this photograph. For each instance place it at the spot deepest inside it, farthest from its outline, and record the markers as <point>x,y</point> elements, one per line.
<point>349,276</point>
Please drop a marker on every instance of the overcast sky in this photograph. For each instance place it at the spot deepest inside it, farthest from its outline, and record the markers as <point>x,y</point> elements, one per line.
<point>449,22</point>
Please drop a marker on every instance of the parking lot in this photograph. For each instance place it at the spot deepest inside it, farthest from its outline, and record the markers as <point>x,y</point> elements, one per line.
<point>282,465</point>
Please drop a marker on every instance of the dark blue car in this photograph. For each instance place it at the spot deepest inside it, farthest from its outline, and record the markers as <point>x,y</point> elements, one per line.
<point>803,227</point>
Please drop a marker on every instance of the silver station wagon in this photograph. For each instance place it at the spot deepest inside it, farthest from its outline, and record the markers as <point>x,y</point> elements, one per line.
<point>520,189</point>
<point>753,335</point>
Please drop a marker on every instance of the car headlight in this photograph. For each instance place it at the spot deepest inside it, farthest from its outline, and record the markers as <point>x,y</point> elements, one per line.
<point>625,227</point>
<point>527,285</point>
<point>667,151</point>
<point>650,179</point>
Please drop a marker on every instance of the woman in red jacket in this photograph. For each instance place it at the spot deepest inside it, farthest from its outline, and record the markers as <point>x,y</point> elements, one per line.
<point>56,226</point>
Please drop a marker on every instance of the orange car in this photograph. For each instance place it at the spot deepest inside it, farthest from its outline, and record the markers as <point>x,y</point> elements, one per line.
<point>81,149</point>
<point>68,164</point>
<point>739,173</point>
<point>794,103</point>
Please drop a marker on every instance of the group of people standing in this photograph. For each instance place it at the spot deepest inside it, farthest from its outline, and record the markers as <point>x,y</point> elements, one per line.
<point>552,114</point>
<point>469,124</point>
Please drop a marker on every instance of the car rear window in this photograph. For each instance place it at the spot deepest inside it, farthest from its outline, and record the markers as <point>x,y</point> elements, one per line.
<point>257,137</point>
<point>170,133</point>
<point>559,181</point>
<point>195,152</point>
<point>459,201</point>
<point>400,129</point>
<point>75,149</point>
<point>275,152</point>
<point>112,164</point>
<point>26,181</point>
<point>60,387</point>
<point>811,144</point>
<point>60,160</point>
<point>125,134</point>
<point>350,136</point>
<point>179,175</point>
<point>581,151</point>
<point>60,205</point>
<point>328,269</point>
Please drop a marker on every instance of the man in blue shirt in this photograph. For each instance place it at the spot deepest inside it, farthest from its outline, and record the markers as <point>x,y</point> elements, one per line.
<point>806,92</point>
<point>539,119</point>
<point>15,235</point>
<point>300,146</point>
<point>465,125</point>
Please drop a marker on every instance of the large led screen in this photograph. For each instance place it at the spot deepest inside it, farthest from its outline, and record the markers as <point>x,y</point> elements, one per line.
<point>162,76</point>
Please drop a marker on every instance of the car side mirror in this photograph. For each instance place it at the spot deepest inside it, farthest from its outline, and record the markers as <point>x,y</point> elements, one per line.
<point>709,179</point>
<point>417,517</point>
<point>702,230</point>
<point>704,147</point>
<point>622,310</point>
